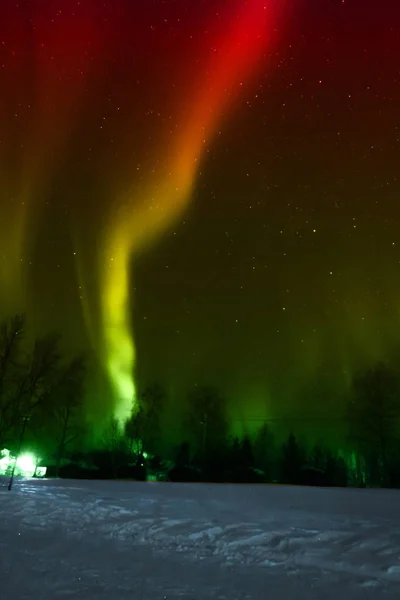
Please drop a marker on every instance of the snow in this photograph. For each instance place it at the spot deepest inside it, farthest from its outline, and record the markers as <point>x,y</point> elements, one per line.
<point>104,539</point>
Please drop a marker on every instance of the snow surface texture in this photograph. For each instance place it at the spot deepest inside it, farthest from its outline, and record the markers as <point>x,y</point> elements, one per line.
<point>120,540</point>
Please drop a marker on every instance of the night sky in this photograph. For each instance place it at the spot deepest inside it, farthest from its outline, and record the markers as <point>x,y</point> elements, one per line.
<point>205,192</point>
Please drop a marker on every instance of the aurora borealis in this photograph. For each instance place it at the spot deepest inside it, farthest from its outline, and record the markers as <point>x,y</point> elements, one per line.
<point>205,192</point>
<point>164,195</point>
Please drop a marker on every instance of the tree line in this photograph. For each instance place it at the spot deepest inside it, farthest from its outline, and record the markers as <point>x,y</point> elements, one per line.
<point>38,386</point>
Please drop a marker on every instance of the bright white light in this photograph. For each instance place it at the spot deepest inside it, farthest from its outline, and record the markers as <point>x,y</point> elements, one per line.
<point>4,461</point>
<point>26,465</point>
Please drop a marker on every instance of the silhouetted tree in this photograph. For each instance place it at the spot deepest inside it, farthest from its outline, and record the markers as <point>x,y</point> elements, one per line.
<point>183,469</point>
<point>152,401</point>
<point>134,430</point>
<point>143,426</point>
<point>241,467</point>
<point>183,455</point>
<point>235,451</point>
<point>264,451</point>
<point>324,468</point>
<point>394,481</point>
<point>12,332</point>
<point>318,457</point>
<point>246,460</point>
<point>292,460</point>
<point>26,377</point>
<point>40,374</point>
<point>373,414</point>
<point>357,469</point>
<point>206,419</point>
<point>67,403</point>
<point>39,438</point>
<point>113,444</point>
<point>335,470</point>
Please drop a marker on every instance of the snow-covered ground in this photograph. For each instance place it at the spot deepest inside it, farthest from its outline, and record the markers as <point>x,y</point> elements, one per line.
<point>147,541</point>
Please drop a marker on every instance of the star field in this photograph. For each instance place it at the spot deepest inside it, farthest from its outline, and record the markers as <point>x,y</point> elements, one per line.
<point>223,190</point>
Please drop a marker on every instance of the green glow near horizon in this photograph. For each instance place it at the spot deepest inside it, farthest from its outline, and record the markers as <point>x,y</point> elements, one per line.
<point>26,466</point>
